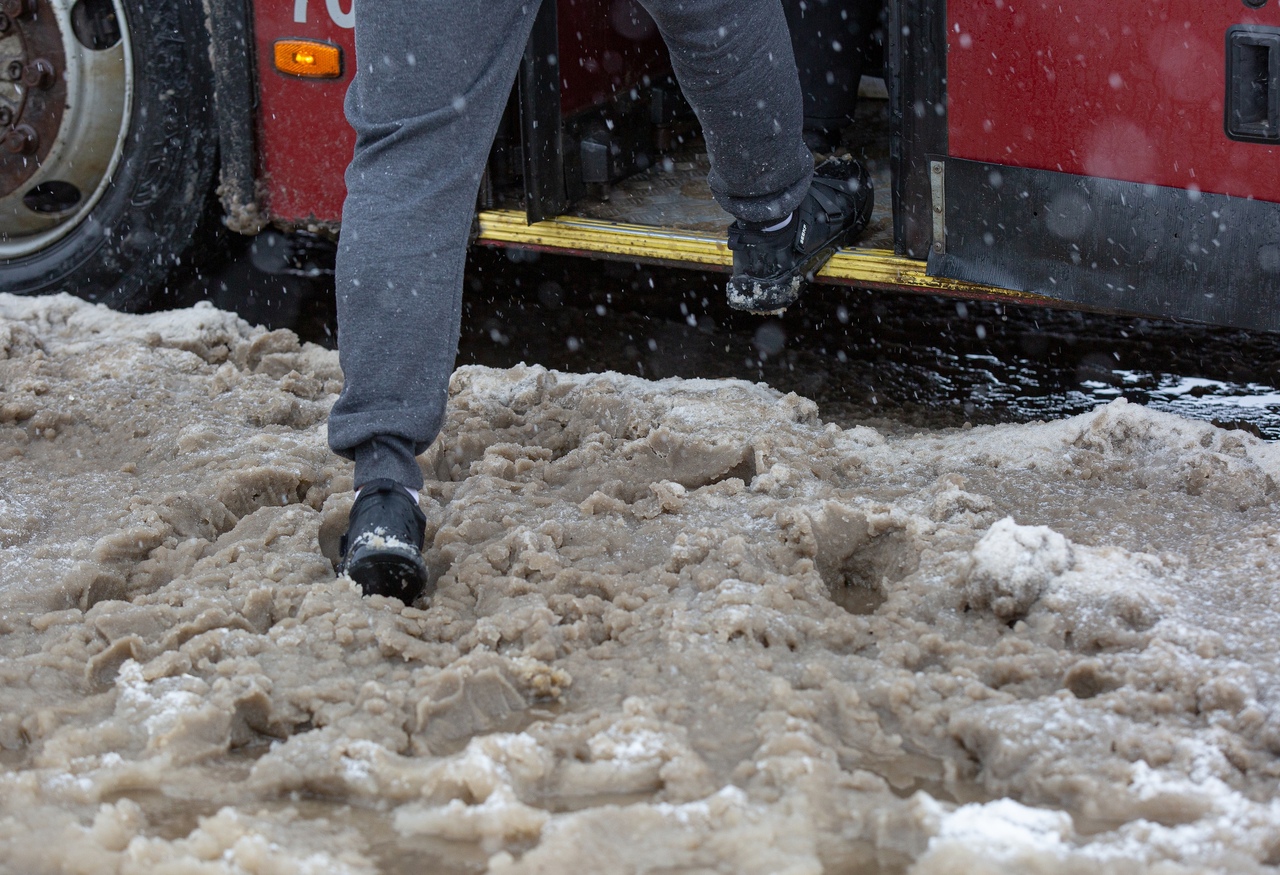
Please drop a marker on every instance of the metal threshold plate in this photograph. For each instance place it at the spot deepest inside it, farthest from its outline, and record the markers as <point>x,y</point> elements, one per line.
<point>571,235</point>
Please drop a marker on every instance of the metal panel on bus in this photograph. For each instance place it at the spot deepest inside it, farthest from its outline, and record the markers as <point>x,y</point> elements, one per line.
<point>1130,91</point>
<point>305,141</point>
<point>1123,156</point>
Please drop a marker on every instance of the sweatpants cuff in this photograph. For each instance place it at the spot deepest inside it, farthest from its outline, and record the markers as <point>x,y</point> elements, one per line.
<point>387,456</point>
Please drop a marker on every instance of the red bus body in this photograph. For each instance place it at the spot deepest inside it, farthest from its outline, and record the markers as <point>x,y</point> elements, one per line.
<point>1113,156</point>
<point>1115,90</point>
<point>305,142</point>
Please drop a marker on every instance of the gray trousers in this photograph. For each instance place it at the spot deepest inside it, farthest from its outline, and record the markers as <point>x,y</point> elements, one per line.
<point>432,80</point>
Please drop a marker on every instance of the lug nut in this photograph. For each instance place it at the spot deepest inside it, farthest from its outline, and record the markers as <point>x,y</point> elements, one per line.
<point>22,140</point>
<point>17,8</point>
<point>6,116</point>
<point>13,72</point>
<point>38,74</point>
<point>5,23</point>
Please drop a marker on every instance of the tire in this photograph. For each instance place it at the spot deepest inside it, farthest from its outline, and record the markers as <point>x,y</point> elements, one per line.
<point>119,243</point>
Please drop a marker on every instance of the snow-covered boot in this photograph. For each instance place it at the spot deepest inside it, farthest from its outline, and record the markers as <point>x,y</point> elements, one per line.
<point>382,549</point>
<point>770,267</point>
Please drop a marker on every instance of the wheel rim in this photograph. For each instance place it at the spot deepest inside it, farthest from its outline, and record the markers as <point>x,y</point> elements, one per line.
<point>66,94</point>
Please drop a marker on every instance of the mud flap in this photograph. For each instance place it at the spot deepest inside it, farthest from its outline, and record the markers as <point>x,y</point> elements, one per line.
<point>1112,245</point>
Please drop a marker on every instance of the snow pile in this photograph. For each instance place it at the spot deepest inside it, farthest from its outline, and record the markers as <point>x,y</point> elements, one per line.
<point>679,625</point>
<point>1013,564</point>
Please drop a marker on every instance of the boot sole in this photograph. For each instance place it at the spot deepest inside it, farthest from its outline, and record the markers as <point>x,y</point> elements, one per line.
<point>783,291</point>
<point>390,574</point>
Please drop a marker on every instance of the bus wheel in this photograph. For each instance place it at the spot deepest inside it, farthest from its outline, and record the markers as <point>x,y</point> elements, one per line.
<point>107,145</point>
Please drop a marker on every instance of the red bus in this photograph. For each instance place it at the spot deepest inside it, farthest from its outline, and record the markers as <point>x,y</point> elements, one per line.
<point>1112,156</point>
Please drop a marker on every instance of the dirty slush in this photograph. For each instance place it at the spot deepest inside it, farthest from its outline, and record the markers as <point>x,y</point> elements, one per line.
<point>681,626</point>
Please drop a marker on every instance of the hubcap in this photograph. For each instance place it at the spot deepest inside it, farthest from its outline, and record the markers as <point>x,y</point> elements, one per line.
<point>66,84</point>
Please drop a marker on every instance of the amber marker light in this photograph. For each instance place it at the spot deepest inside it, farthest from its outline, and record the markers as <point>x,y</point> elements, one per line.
<point>308,59</point>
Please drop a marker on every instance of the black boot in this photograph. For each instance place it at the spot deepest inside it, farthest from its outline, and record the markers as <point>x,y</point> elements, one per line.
<point>382,549</point>
<point>771,267</point>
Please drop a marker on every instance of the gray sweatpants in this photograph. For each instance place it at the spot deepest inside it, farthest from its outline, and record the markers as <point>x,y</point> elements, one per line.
<point>433,77</point>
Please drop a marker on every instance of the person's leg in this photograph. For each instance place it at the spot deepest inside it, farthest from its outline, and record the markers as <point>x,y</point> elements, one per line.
<point>832,42</point>
<point>431,83</point>
<point>734,62</point>
<point>433,77</point>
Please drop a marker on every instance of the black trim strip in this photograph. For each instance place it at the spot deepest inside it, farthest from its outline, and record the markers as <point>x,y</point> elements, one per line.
<point>540,121</point>
<point>917,79</point>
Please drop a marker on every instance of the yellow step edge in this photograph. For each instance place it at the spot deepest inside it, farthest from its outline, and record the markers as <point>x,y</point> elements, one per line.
<point>571,234</point>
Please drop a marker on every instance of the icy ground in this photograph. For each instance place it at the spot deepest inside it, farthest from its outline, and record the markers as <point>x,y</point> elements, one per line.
<point>681,626</point>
